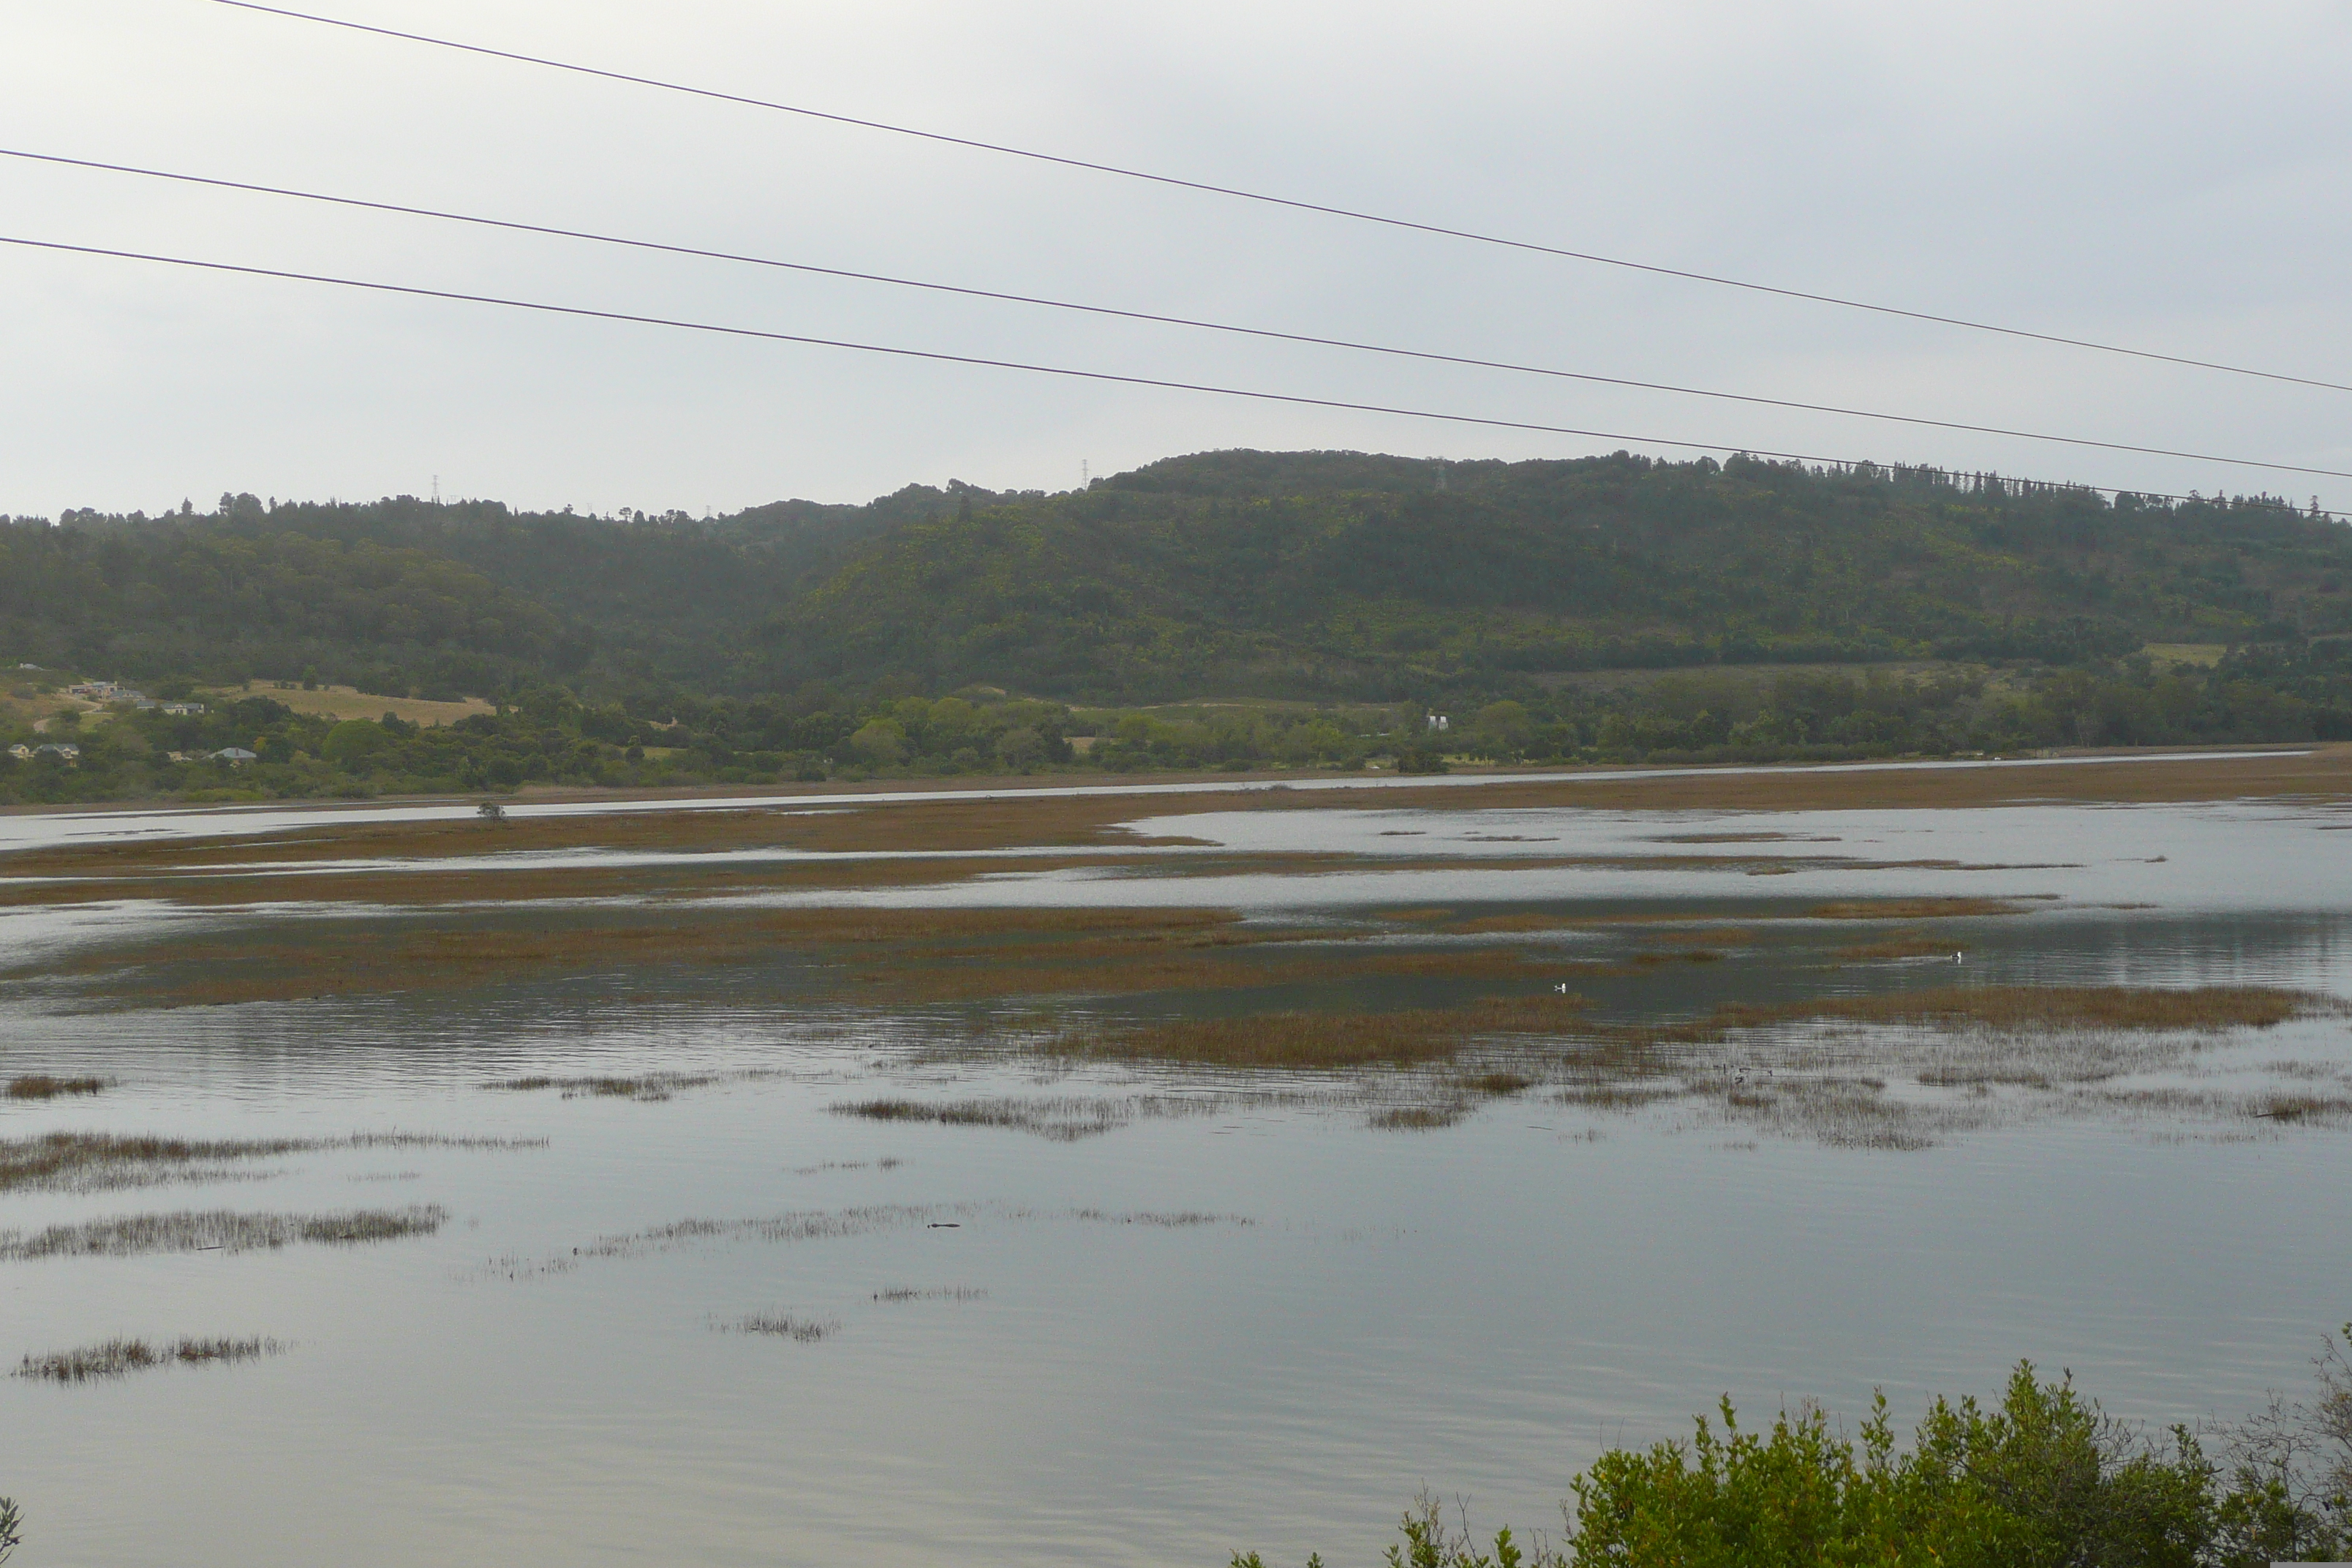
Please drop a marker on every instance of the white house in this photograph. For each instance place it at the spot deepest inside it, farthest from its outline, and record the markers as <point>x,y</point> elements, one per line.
<point>235,756</point>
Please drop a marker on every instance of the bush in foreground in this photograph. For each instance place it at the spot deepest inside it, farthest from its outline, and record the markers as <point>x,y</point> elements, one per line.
<point>2044,1481</point>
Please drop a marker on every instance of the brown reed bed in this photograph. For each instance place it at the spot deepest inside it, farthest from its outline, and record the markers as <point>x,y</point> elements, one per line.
<point>1687,956</point>
<point>40,1086</point>
<point>96,1162</point>
<point>850,826</point>
<point>437,886</point>
<point>120,1357</point>
<point>873,957</point>
<point>345,962</point>
<point>981,973</point>
<point>1901,946</point>
<point>1915,908</point>
<point>218,1230</point>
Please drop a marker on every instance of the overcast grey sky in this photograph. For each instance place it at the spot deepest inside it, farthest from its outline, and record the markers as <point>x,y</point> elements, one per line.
<point>2170,176</point>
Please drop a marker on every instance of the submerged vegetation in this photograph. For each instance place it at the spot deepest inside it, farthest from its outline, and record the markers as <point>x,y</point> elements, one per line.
<point>120,1357</point>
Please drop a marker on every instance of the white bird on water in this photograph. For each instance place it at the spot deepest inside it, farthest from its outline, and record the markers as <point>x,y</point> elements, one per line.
<point>1955,958</point>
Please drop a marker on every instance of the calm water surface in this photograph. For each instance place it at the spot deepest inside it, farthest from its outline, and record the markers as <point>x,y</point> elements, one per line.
<point>1347,1316</point>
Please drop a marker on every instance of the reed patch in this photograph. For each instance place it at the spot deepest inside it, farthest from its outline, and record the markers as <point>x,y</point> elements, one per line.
<point>792,1326</point>
<point>1063,1119</point>
<point>120,1357</point>
<point>218,1230</point>
<point>99,1161</point>
<point>40,1086</point>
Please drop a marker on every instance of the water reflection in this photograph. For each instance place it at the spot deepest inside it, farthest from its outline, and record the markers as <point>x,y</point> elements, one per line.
<point>1477,1308</point>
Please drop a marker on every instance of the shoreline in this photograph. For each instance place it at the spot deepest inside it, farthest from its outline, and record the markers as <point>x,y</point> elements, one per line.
<point>567,801</point>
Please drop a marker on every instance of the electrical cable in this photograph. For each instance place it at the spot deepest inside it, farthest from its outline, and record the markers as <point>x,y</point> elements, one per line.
<point>1423,354</point>
<point>1237,192</point>
<point>1298,399</point>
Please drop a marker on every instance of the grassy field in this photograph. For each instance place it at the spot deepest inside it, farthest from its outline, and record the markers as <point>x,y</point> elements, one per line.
<point>347,702</point>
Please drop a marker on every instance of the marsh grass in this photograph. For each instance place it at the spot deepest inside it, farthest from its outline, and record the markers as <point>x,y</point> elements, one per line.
<point>492,949</point>
<point>891,1162</point>
<point>786,1326</point>
<point>98,1161</point>
<point>122,1357</point>
<point>217,1230</point>
<point>2333,1110</point>
<point>901,1293</point>
<point>647,1087</point>
<point>87,1162</point>
<point>1617,1094</point>
<point>40,1086</point>
<point>1498,1083</point>
<point>1423,1118</point>
<point>1063,1119</point>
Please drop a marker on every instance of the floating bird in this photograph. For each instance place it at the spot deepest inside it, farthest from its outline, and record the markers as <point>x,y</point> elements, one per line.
<point>1955,958</point>
<point>1561,987</point>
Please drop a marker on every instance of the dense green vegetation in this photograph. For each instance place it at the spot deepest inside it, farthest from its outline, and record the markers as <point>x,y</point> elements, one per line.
<point>1610,608</point>
<point>2043,1480</point>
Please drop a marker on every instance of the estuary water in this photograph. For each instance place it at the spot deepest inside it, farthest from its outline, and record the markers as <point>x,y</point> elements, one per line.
<point>1252,1318</point>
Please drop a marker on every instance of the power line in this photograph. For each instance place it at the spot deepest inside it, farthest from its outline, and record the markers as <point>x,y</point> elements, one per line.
<point>1351,213</point>
<point>1266,333</point>
<point>1298,399</point>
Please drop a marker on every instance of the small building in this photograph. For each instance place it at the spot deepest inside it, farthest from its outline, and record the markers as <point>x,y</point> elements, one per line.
<point>21,752</point>
<point>64,751</point>
<point>183,710</point>
<point>1439,722</point>
<point>235,756</point>
<point>94,691</point>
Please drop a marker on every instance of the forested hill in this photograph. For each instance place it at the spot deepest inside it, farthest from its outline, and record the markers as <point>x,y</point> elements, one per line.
<point>1306,575</point>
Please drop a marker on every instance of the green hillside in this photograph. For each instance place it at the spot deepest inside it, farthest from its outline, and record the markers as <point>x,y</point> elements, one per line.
<point>1303,575</point>
<point>1333,574</point>
<point>1610,607</point>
